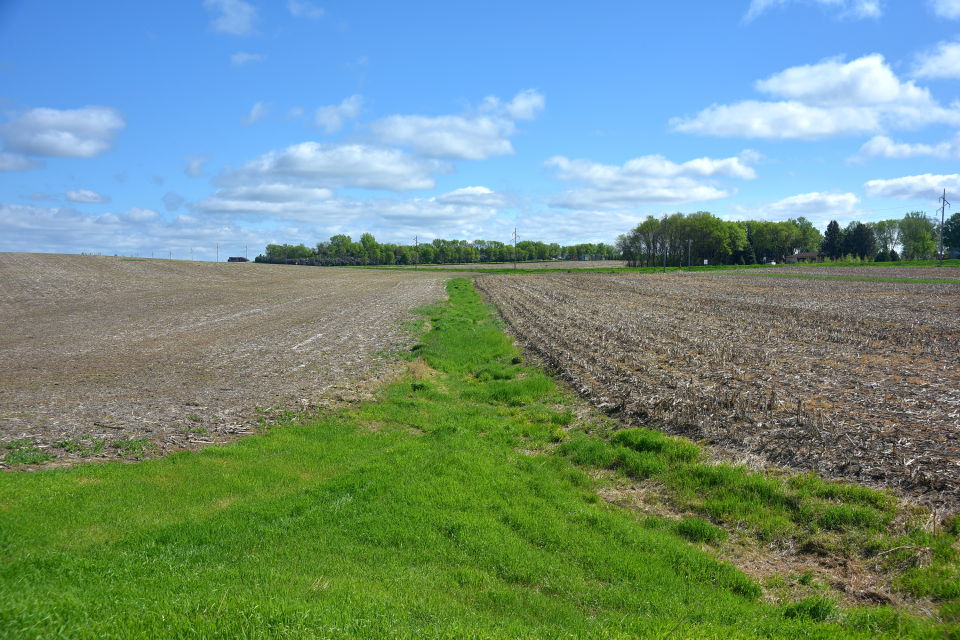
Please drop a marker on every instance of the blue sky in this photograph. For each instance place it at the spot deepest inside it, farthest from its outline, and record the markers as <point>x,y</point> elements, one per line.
<point>156,127</point>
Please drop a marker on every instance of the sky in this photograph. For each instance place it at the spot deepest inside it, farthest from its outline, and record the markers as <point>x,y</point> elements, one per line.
<point>157,128</point>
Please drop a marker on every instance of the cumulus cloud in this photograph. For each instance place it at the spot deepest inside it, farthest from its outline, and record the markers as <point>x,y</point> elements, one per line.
<point>645,180</point>
<point>195,164</point>
<point>884,147</point>
<point>825,99</point>
<point>241,58</point>
<point>17,162</point>
<point>926,186</point>
<point>332,166</point>
<point>257,113</point>
<point>66,230</point>
<point>304,9</point>
<point>87,196</point>
<point>136,215</point>
<point>946,8</point>
<point>172,201</point>
<point>235,17</point>
<point>841,8</point>
<point>332,117</point>
<point>480,196</point>
<point>942,62</point>
<point>72,133</point>
<point>476,135</point>
<point>816,207</point>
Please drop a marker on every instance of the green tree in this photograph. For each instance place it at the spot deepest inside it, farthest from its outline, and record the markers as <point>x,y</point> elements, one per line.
<point>951,232</point>
<point>832,243</point>
<point>918,236</point>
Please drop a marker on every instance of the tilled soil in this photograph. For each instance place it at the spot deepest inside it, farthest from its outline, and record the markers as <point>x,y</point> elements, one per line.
<point>849,378</point>
<point>104,351</point>
<point>911,273</point>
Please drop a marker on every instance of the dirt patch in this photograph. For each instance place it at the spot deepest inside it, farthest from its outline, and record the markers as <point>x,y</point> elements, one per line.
<point>97,350</point>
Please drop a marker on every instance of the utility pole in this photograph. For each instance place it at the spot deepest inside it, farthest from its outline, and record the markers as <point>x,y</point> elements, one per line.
<point>689,244</point>
<point>191,254</point>
<point>246,252</point>
<point>170,255</point>
<point>943,209</point>
<point>514,251</point>
<point>416,242</point>
<point>665,256</point>
<point>218,252</point>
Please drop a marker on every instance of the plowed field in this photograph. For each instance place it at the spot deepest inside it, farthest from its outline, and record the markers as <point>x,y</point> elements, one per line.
<point>120,356</point>
<point>848,378</point>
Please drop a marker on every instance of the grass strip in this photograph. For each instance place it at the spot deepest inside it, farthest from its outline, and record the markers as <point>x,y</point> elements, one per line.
<point>427,513</point>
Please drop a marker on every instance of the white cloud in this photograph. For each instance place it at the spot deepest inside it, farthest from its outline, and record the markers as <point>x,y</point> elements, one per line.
<point>946,8</point>
<point>479,196</point>
<point>76,133</point>
<point>257,113</point>
<point>195,164</point>
<point>816,207</point>
<point>644,180</point>
<point>87,196</point>
<point>943,62</point>
<point>236,17</point>
<point>241,58</point>
<point>331,117</point>
<point>136,215</point>
<point>42,196</point>
<point>843,8</point>
<point>17,162</point>
<point>304,9</point>
<point>333,166</point>
<point>66,230</point>
<point>477,135</point>
<point>524,106</point>
<point>826,99</point>
<point>884,147</point>
<point>924,186</point>
<point>293,114</point>
<point>172,201</point>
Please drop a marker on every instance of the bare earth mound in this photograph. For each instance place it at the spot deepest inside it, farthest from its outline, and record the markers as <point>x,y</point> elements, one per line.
<point>849,378</point>
<point>104,350</point>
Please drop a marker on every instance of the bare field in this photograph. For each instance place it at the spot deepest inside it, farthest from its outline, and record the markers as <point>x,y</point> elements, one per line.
<point>909,273</point>
<point>119,356</point>
<point>549,264</point>
<point>849,378</point>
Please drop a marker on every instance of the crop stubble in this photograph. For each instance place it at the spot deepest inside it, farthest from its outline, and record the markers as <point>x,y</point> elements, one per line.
<point>183,353</point>
<point>848,378</point>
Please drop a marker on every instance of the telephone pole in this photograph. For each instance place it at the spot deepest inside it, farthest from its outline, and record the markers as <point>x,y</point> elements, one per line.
<point>416,243</point>
<point>943,208</point>
<point>218,252</point>
<point>170,255</point>
<point>246,252</point>
<point>191,254</point>
<point>514,238</point>
<point>689,244</point>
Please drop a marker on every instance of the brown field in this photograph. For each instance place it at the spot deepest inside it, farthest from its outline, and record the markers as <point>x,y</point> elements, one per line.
<point>848,378</point>
<point>910,273</point>
<point>549,264</point>
<point>183,353</point>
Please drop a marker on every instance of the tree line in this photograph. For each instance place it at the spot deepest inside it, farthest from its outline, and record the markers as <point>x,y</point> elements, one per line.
<point>341,250</point>
<point>680,239</point>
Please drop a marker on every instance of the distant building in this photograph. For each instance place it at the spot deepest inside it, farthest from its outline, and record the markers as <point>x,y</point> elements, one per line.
<point>806,256</point>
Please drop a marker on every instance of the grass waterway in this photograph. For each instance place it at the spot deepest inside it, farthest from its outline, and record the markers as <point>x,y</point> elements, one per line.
<point>442,509</point>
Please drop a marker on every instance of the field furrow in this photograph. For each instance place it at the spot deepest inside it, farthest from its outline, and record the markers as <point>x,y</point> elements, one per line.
<point>849,378</point>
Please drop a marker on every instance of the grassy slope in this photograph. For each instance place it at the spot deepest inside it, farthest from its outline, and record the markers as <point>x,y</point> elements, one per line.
<point>417,515</point>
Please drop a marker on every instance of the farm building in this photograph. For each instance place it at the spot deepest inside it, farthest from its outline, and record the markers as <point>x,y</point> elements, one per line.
<point>806,256</point>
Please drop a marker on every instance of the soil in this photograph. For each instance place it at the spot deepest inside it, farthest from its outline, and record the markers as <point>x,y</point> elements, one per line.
<point>100,351</point>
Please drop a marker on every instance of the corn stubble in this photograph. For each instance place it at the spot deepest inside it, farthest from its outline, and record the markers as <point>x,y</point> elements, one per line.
<point>847,378</point>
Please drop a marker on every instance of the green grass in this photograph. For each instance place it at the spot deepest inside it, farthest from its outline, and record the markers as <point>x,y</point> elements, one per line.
<point>801,510</point>
<point>418,515</point>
